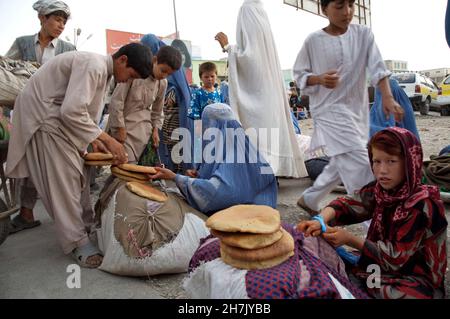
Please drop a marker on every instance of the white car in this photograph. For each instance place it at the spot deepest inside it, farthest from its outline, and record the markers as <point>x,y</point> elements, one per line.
<point>421,90</point>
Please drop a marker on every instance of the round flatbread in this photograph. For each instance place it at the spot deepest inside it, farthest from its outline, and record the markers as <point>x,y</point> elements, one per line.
<point>147,191</point>
<point>253,265</point>
<point>138,168</point>
<point>248,240</point>
<point>98,157</point>
<point>255,219</point>
<point>129,179</point>
<point>280,248</point>
<point>138,176</point>
<point>98,163</point>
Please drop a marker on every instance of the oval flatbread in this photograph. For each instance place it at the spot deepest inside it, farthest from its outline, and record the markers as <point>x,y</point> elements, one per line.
<point>98,157</point>
<point>247,240</point>
<point>98,163</point>
<point>256,219</point>
<point>252,265</point>
<point>129,179</point>
<point>282,247</point>
<point>138,168</point>
<point>147,191</point>
<point>138,176</point>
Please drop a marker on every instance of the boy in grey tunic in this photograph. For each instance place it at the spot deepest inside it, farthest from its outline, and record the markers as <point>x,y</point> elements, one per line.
<point>54,122</point>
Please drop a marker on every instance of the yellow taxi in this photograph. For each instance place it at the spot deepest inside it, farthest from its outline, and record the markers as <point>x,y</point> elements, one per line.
<point>421,90</point>
<point>443,99</point>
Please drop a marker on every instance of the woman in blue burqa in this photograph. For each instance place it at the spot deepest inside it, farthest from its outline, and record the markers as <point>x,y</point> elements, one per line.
<point>232,171</point>
<point>378,120</point>
<point>175,113</point>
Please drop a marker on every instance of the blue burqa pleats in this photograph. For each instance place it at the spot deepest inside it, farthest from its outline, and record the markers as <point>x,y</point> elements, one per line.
<point>378,119</point>
<point>232,172</point>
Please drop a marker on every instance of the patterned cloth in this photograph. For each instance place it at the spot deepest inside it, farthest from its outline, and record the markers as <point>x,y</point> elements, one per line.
<point>407,236</point>
<point>301,276</point>
<point>200,99</point>
<point>171,118</point>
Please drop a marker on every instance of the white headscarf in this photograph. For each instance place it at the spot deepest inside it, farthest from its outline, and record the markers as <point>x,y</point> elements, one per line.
<point>45,7</point>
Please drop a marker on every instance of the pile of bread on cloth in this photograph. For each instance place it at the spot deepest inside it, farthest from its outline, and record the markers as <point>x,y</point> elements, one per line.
<point>251,237</point>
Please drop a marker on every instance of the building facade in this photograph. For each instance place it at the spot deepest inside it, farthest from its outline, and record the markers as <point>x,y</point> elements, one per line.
<point>437,75</point>
<point>396,65</point>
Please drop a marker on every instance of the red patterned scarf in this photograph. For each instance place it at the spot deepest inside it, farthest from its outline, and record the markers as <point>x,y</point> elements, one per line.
<point>407,195</point>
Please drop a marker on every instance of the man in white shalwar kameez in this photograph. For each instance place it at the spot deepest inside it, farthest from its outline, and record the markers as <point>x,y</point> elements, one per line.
<point>332,68</point>
<point>54,122</point>
<point>257,92</point>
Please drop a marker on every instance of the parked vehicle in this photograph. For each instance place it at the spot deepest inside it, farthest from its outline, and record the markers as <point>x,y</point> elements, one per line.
<point>443,100</point>
<point>421,90</point>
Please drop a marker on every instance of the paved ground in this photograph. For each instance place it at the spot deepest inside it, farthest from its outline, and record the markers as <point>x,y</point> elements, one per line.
<point>33,266</point>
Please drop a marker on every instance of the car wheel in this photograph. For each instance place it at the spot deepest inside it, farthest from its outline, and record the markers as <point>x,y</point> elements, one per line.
<point>445,110</point>
<point>425,107</point>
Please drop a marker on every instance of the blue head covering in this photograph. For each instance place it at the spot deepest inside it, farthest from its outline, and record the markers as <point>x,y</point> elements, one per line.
<point>295,122</point>
<point>232,172</point>
<point>378,119</point>
<point>177,81</point>
<point>447,23</point>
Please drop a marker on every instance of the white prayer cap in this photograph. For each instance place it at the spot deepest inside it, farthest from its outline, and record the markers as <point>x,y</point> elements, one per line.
<point>46,7</point>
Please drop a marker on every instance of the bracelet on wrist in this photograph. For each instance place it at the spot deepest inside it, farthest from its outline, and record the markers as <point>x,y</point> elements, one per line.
<point>323,226</point>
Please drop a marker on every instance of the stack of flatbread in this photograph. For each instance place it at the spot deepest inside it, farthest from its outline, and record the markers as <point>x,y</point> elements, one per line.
<point>146,191</point>
<point>251,237</point>
<point>133,173</point>
<point>98,159</point>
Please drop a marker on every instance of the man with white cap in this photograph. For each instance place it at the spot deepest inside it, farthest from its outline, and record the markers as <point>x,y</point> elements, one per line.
<point>44,45</point>
<point>39,48</point>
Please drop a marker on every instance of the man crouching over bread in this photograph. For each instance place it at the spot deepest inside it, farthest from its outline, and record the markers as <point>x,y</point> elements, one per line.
<point>54,122</point>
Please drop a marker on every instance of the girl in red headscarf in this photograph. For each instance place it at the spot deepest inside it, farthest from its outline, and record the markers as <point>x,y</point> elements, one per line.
<point>404,254</point>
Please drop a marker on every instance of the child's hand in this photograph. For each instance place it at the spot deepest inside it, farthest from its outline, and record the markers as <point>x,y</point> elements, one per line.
<point>337,236</point>
<point>99,147</point>
<point>390,106</point>
<point>310,228</point>
<point>155,138</point>
<point>120,135</point>
<point>329,79</point>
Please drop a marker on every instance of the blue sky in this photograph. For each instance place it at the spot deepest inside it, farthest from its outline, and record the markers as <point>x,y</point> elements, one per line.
<point>411,30</point>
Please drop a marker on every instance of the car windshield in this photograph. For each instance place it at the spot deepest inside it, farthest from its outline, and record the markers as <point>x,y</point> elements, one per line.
<point>405,78</point>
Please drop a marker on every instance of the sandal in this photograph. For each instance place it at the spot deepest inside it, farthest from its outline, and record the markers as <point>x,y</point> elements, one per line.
<point>82,254</point>
<point>19,223</point>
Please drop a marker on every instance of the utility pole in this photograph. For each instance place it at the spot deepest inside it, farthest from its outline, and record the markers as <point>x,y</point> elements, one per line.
<point>175,15</point>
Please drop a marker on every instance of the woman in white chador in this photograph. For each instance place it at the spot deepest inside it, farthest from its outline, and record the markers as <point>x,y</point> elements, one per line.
<point>257,93</point>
